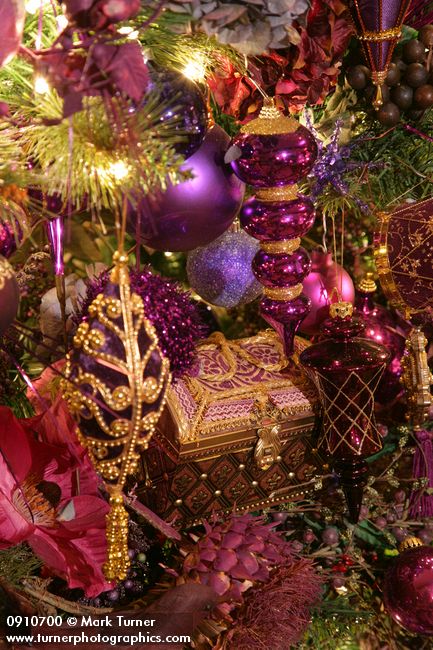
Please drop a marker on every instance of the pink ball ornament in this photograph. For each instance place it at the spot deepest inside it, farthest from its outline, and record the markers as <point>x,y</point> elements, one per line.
<point>12,15</point>
<point>325,275</point>
<point>197,211</point>
<point>408,588</point>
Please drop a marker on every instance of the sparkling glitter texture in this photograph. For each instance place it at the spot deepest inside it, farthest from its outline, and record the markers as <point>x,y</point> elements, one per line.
<point>170,309</point>
<point>221,272</point>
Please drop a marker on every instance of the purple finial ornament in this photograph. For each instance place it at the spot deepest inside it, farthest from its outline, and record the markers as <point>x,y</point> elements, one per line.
<point>346,370</point>
<point>272,153</point>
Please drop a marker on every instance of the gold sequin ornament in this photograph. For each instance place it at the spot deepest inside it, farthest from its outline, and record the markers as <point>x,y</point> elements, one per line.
<point>116,386</point>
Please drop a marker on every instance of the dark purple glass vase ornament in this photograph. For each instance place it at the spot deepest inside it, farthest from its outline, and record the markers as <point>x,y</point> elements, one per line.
<point>386,328</point>
<point>408,587</point>
<point>346,371</point>
<point>272,153</point>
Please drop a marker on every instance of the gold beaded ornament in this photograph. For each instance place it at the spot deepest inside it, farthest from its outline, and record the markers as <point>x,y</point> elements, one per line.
<point>116,385</point>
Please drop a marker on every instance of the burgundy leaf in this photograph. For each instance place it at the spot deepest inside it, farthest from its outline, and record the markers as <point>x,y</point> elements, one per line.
<point>125,67</point>
<point>226,560</point>
<point>233,540</point>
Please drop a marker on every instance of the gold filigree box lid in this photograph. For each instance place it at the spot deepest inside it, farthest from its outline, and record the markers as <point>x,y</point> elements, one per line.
<point>237,386</point>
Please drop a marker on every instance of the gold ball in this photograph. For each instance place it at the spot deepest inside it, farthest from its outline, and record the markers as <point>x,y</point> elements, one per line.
<point>254,483</point>
<point>178,502</point>
<point>278,459</point>
<point>241,466</point>
<point>203,477</point>
<point>217,493</point>
<point>291,474</point>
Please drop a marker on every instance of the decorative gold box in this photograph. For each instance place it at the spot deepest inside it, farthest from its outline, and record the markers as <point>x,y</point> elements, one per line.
<point>235,432</point>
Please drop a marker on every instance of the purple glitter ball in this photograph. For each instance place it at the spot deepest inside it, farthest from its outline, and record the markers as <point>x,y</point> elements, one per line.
<point>171,311</point>
<point>8,238</point>
<point>408,590</point>
<point>221,272</point>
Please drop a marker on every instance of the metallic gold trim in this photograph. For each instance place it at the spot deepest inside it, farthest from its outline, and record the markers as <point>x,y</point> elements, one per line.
<point>341,309</point>
<point>285,193</point>
<point>416,377</point>
<point>383,267</point>
<point>367,284</point>
<point>410,542</point>
<point>271,122</point>
<point>283,293</point>
<point>383,35</point>
<point>287,246</point>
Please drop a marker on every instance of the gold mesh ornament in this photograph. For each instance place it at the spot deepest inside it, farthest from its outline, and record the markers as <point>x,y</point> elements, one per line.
<point>116,386</point>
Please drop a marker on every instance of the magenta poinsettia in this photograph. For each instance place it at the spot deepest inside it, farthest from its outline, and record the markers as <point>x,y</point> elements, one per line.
<point>49,497</point>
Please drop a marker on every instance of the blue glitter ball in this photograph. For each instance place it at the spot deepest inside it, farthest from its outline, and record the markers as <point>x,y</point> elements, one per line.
<point>221,273</point>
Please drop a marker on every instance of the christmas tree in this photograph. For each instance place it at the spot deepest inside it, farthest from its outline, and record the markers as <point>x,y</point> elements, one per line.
<point>216,298</point>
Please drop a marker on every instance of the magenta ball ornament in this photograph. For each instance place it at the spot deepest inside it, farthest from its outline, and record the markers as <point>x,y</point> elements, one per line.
<point>9,295</point>
<point>197,211</point>
<point>325,276</point>
<point>221,272</point>
<point>408,590</point>
<point>274,160</point>
<point>274,220</point>
<point>12,14</point>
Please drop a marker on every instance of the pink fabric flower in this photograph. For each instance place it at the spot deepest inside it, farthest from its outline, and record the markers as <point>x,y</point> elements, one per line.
<point>49,497</point>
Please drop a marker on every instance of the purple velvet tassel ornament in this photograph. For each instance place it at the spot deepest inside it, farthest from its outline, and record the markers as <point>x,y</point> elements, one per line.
<point>421,503</point>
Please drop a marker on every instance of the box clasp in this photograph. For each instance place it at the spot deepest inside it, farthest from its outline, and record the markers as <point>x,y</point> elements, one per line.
<point>268,446</point>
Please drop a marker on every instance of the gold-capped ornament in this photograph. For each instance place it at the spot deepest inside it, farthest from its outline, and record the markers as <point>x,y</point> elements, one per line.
<point>116,386</point>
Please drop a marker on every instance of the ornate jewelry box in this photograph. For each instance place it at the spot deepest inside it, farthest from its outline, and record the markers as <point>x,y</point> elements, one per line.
<point>235,432</point>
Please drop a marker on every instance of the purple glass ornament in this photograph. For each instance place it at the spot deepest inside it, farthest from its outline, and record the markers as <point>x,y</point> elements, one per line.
<point>274,160</point>
<point>408,590</point>
<point>9,295</point>
<point>388,329</point>
<point>186,103</point>
<point>324,277</point>
<point>55,234</point>
<point>197,211</point>
<point>272,153</point>
<point>221,272</point>
<point>346,370</point>
<point>285,316</point>
<point>276,220</point>
<point>281,270</point>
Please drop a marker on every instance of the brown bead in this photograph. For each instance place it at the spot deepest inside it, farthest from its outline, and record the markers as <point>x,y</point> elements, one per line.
<point>413,52</point>
<point>393,76</point>
<point>426,35</point>
<point>388,114</point>
<point>416,75</point>
<point>402,95</point>
<point>356,78</point>
<point>424,96</point>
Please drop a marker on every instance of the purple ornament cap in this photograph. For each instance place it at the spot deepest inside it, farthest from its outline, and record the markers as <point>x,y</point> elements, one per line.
<point>274,160</point>
<point>276,220</point>
<point>408,590</point>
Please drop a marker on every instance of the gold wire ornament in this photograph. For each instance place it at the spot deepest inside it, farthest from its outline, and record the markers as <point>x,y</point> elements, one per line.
<point>116,386</point>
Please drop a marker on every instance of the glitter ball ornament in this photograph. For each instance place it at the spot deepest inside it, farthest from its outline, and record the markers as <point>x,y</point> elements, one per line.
<point>221,272</point>
<point>197,211</point>
<point>170,309</point>
<point>8,238</point>
<point>408,588</point>
<point>9,295</point>
<point>272,153</point>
